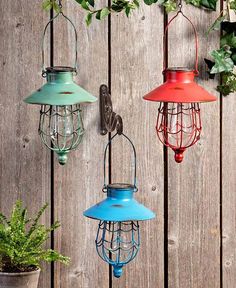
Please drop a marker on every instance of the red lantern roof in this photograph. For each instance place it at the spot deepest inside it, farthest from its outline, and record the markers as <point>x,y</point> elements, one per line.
<point>180,88</point>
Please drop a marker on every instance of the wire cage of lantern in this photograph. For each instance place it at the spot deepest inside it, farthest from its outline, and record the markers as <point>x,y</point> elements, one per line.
<point>179,124</point>
<point>61,127</point>
<point>118,243</point>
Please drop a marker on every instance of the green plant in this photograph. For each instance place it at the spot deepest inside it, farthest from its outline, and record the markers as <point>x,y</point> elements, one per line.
<point>127,6</point>
<point>224,59</point>
<point>22,240</point>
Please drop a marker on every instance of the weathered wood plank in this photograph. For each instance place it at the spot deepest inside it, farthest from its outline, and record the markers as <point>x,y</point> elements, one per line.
<point>194,185</point>
<point>228,189</point>
<point>25,162</point>
<point>78,184</point>
<point>136,63</point>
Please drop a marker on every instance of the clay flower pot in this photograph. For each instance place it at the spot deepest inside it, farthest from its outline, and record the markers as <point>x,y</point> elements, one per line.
<point>19,280</point>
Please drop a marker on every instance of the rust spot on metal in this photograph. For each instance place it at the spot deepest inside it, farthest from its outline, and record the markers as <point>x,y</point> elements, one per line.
<point>117,206</point>
<point>178,88</point>
<point>66,92</point>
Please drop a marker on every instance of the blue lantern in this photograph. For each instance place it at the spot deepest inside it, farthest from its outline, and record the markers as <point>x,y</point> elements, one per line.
<point>118,236</point>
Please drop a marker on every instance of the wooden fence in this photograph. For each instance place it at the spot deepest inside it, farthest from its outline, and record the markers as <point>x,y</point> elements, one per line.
<point>192,241</point>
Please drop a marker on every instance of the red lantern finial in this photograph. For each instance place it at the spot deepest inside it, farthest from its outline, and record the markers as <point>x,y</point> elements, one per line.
<point>179,121</point>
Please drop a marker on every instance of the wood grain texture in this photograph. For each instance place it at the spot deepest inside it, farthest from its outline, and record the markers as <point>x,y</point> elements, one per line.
<point>25,163</point>
<point>228,192</point>
<point>228,189</point>
<point>136,63</point>
<point>78,184</point>
<point>194,185</point>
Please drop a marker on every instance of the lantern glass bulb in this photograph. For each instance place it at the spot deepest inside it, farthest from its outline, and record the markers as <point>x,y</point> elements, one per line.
<point>118,243</point>
<point>61,129</point>
<point>179,126</point>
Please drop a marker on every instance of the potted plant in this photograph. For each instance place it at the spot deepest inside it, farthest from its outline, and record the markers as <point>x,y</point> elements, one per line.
<point>22,249</point>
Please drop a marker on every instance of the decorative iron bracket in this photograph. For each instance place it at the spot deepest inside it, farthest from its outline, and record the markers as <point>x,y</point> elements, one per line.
<point>110,121</point>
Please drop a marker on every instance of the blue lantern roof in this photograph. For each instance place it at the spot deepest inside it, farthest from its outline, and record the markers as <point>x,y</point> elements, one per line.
<point>119,206</point>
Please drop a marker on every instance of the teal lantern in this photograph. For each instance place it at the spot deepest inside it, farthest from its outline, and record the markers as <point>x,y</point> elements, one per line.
<point>118,236</point>
<point>60,126</point>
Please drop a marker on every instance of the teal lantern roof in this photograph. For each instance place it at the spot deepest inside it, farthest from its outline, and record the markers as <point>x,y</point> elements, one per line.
<point>119,206</point>
<point>60,89</point>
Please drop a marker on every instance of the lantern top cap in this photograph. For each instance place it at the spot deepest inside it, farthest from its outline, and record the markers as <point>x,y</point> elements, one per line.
<point>120,186</point>
<point>58,69</point>
<point>180,69</point>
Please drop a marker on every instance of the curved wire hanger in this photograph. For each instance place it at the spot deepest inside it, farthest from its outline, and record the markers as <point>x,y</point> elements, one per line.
<point>110,121</point>
<point>76,39</point>
<point>135,161</point>
<point>180,12</point>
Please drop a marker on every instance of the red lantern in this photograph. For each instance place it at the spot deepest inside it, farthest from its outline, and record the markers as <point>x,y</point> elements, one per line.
<point>179,120</point>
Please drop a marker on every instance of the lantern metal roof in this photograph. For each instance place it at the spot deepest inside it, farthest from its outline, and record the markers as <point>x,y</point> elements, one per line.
<point>60,89</point>
<point>180,87</point>
<point>119,205</point>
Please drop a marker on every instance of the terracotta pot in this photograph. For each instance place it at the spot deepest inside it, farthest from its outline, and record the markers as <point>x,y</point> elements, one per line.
<point>19,280</point>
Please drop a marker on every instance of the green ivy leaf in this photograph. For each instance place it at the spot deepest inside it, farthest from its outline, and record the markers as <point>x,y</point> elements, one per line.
<point>196,3</point>
<point>91,2</point>
<point>56,7</point>
<point>84,5</point>
<point>233,56</point>
<point>170,5</point>
<point>228,84</point>
<point>47,5</point>
<point>104,13</point>
<point>210,4</point>
<point>223,62</point>
<point>148,2</point>
<point>127,11</point>
<point>232,5</point>
<point>229,40</point>
<point>88,18</point>
<point>136,2</point>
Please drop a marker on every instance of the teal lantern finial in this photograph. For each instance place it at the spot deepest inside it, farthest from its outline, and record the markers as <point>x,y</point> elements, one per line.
<point>118,237</point>
<point>60,127</point>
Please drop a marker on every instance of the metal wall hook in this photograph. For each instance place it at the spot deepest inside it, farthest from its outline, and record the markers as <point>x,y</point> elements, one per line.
<point>110,121</point>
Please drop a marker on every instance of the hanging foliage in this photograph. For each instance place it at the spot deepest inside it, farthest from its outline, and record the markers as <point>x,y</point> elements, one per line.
<point>126,6</point>
<point>223,60</point>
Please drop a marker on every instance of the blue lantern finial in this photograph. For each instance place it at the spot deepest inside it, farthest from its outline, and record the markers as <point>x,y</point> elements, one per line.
<point>117,270</point>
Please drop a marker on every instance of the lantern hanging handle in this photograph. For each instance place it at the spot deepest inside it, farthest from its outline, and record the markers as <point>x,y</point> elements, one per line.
<point>105,156</point>
<point>44,34</point>
<point>195,35</point>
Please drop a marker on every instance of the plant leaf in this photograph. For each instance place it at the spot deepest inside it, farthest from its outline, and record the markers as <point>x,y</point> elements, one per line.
<point>88,18</point>
<point>84,5</point>
<point>210,4</point>
<point>47,5</point>
<point>148,2</point>
<point>170,5</point>
<point>223,62</point>
<point>91,2</point>
<point>103,13</point>
<point>195,3</point>
<point>229,40</point>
